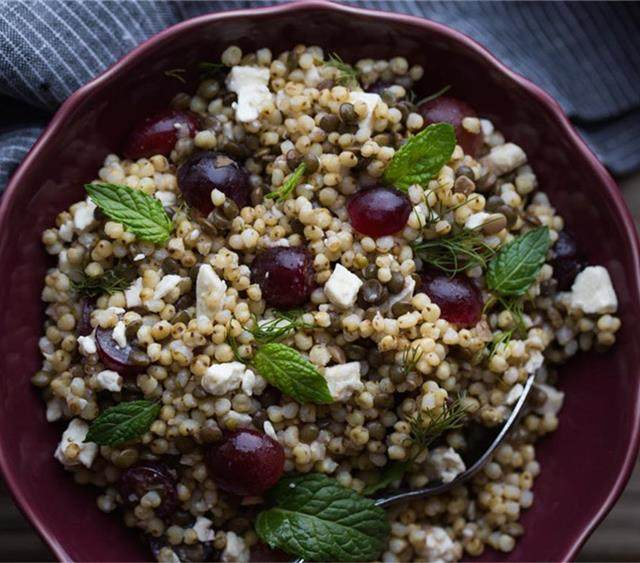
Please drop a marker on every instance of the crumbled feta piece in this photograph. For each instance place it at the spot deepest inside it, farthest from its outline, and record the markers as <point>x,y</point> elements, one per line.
<point>203,530</point>
<point>446,464</point>
<point>138,257</point>
<point>66,231</point>
<point>165,285</point>
<point>87,345</point>
<point>269,430</point>
<point>342,287</point>
<point>514,394</point>
<point>343,380</point>
<point>72,449</point>
<point>210,291</point>
<point>252,383</point>
<point>251,84</point>
<point>553,401</point>
<point>132,293</point>
<point>109,380</point>
<point>438,546</point>
<point>167,199</point>
<point>476,220</point>
<point>83,214</point>
<point>487,127</point>
<point>102,315</point>
<point>371,101</point>
<point>54,409</point>
<point>235,549</point>
<point>219,379</point>
<point>535,361</point>
<point>592,291</point>
<point>505,158</point>
<point>119,334</point>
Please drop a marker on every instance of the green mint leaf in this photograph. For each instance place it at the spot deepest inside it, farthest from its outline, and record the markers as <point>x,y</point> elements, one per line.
<point>123,422</point>
<point>318,519</point>
<point>289,184</point>
<point>390,474</point>
<point>516,266</point>
<point>286,369</point>
<point>140,213</point>
<point>422,156</point>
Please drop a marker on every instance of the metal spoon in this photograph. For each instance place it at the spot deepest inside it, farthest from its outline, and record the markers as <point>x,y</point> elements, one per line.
<point>437,487</point>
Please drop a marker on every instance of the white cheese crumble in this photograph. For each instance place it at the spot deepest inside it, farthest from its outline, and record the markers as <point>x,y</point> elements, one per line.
<point>132,293</point>
<point>438,546</point>
<point>87,345</point>
<point>371,100</point>
<point>165,285</point>
<point>66,231</point>
<point>203,530</point>
<point>219,379</point>
<point>109,380</point>
<point>446,463</point>
<point>342,287</point>
<point>251,84</point>
<point>269,430</point>
<point>119,334</point>
<point>535,361</point>
<point>83,214</point>
<point>592,291</point>
<point>553,401</point>
<point>236,549</point>
<point>167,199</point>
<point>72,449</point>
<point>343,380</point>
<point>505,158</point>
<point>210,291</point>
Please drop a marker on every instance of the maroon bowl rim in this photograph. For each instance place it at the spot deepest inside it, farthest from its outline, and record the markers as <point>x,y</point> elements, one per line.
<point>598,170</point>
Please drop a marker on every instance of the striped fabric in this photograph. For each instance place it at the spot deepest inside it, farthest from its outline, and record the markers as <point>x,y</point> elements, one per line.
<point>587,55</point>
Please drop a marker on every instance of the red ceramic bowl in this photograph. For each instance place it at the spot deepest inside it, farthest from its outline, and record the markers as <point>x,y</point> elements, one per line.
<point>585,464</point>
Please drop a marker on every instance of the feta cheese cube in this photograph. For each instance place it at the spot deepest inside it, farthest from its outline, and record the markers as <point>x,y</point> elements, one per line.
<point>210,292</point>
<point>165,285</point>
<point>83,214</point>
<point>445,463</point>
<point>235,550</point>
<point>438,546</point>
<point>109,380</point>
<point>553,401</point>
<point>505,158</point>
<point>251,84</point>
<point>119,334</point>
<point>72,449</point>
<point>592,291</point>
<point>219,379</point>
<point>203,530</point>
<point>343,380</point>
<point>132,294</point>
<point>342,287</point>
<point>87,345</point>
<point>371,101</point>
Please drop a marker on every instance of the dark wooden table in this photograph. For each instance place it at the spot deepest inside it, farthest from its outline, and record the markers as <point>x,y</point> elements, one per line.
<point>616,539</point>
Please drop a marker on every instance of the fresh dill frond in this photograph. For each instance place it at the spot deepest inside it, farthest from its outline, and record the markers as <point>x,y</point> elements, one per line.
<point>284,191</point>
<point>176,73</point>
<point>284,324</point>
<point>410,358</point>
<point>427,427</point>
<point>455,252</point>
<point>501,338</point>
<point>347,74</point>
<point>435,95</point>
<point>116,279</point>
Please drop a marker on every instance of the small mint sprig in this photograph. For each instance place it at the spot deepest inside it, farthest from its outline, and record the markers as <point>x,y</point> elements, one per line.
<point>123,422</point>
<point>140,213</point>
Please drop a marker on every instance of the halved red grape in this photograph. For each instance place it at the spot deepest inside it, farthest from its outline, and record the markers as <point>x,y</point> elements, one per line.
<point>378,211</point>
<point>158,133</point>
<point>245,462</point>
<point>207,171</point>
<point>285,276</point>
<point>122,360</point>
<point>445,109</point>
<point>149,476</point>
<point>568,261</point>
<point>459,299</point>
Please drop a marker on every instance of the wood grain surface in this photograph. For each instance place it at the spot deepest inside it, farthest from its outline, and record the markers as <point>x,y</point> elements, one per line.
<point>616,539</point>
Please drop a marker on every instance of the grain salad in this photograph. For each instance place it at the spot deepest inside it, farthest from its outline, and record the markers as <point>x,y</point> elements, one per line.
<point>301,286</point>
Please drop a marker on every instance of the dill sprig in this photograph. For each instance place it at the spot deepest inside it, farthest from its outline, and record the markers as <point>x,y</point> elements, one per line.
<point>284,324</point>
<point>427,427</point>
<point>116,279</point>
<point>455,252</point>
<point>284,191</point>
<point>500,339</point>
<point>176,73</point>
<point>210,70</point>
<point>435,95</point>
<point>347,74</point>
<point>410,358</point>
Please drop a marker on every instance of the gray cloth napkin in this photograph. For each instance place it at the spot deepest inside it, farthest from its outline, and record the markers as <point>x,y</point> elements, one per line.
<point>586,55</point>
